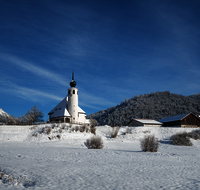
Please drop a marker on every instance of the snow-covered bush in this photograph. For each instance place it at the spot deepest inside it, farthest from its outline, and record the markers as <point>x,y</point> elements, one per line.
<point>149,143</point>
<point>181,139</point>
<point>94,142</point>
<point>114,132</point>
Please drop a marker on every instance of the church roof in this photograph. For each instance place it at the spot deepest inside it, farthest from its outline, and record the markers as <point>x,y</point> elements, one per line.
<point>61,109</point>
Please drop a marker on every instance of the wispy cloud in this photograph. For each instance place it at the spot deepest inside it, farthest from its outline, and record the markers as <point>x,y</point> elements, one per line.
<point>27,93</point>
<point>36,70</point>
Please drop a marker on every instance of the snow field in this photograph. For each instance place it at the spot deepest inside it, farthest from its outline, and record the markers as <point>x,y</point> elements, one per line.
<point>68,164</point>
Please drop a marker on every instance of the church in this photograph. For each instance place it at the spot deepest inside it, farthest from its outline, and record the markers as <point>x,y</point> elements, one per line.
<point>68,111</point>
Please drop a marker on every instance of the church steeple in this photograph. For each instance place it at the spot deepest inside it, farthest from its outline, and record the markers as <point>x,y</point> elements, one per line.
<point>73,82</point>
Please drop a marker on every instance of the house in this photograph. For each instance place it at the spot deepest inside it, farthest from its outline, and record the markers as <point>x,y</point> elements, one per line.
<point>144,122</point>
<point>184,120</point>
<point>67,110</point>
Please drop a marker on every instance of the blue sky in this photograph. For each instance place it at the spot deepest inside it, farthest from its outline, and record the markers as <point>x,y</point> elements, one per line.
<point>117,49</point>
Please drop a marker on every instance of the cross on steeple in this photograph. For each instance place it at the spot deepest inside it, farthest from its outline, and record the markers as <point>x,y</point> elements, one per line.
<point>73,82</point>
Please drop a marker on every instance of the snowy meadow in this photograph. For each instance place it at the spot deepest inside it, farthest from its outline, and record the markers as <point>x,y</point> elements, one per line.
<point>57,158</point>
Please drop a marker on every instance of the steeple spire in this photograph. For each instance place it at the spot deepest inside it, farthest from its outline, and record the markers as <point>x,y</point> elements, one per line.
<point>72,75</point>
<point>73,82</point>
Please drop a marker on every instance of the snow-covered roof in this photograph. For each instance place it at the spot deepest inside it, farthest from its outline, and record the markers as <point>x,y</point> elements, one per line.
<point>80,110</point>
<point>173,118</point>
<point>148,121</point>
<point>61,109</point>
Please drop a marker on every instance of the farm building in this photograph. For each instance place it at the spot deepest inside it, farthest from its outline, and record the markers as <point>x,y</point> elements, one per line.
<point>185,120</point>
<point>144,122</point>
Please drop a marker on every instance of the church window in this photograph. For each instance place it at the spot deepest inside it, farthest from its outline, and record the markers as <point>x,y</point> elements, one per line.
<point>56,109</point>
<point>59,108</point>
<point>73,91</point>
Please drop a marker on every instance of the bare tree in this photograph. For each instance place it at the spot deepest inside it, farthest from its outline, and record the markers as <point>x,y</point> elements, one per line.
<point>93,122</point>
<point>34,115</point>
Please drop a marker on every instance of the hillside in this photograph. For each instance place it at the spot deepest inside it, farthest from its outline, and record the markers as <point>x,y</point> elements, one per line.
<point>148,106</point>
<point>39,163</point>
<point>3,115</point>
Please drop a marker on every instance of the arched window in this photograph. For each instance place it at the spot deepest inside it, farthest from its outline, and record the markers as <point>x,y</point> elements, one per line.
<point>73,91</point>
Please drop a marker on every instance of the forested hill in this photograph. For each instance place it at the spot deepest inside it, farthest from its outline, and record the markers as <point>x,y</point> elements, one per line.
<point>148,106</point>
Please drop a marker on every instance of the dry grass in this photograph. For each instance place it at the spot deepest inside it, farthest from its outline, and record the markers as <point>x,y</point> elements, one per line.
<point>149,143</point>
<point>94,142</point>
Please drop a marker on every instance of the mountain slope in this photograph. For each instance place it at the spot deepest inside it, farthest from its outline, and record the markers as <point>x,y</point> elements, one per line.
<point>148,106</point>
<point>3,115</point>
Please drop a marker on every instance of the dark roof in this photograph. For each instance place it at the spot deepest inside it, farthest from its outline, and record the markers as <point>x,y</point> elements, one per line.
<point>173,118</point>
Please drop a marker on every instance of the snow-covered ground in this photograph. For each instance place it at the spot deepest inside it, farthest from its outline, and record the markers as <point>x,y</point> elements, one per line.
<point>66,163</point>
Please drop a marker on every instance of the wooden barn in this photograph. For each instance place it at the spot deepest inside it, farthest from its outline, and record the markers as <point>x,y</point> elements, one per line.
<point>185,120</point>
<point>143,122</point>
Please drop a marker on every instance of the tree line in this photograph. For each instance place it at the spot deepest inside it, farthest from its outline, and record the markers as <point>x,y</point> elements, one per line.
<point>32,116</point>
<point>148,106</point>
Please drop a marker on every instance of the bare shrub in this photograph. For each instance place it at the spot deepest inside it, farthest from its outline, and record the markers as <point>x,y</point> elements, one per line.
<point>33,127</point>
<point>94,142</point>
<point>195,134</point>
<point>60,130</point>
<point>93,122</point>
<point>147,131</point>
<point>76,128</point>
<point>86,129</point>
<point>149,143</point>
<point>58,136</point>
<point>114,132</point>
<point>93,130</point>
<point>48,131</point>
<point>53,125</point>
<point>82,128</point>
<point>128,131</point>
<point>181,139</point>
<point>35,134</point>
<point>11,180</point>
<point>63,126</point>
<point>43,130</point>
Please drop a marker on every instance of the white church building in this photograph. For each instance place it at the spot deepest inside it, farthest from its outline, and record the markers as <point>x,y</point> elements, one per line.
<point>67,110</point>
